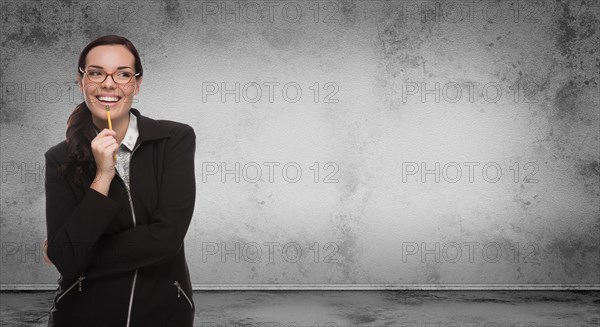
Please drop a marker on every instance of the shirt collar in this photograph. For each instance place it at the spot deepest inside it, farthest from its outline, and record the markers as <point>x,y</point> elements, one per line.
<point>132,133</point>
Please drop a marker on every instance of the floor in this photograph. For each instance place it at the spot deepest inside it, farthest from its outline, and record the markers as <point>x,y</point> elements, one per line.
<point>358,308</point>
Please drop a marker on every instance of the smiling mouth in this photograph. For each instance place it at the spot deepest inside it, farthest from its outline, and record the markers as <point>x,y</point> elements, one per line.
<point>108,99</point>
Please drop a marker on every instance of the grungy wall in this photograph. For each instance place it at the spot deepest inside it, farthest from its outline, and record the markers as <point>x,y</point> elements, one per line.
<point>338,142</point>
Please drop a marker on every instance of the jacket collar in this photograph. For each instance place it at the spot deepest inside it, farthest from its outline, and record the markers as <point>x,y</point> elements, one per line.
<point>149,129</point>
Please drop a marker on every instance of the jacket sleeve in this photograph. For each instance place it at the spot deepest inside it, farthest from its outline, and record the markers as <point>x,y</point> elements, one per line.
<point>73,229</point>
<point>160,240</point>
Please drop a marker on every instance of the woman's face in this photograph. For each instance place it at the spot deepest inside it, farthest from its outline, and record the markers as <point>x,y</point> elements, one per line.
<point>110,59</point>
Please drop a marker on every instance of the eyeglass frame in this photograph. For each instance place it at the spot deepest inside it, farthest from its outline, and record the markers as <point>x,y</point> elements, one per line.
<point>111,76</point>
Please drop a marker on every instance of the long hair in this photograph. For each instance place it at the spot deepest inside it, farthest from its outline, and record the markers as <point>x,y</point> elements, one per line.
<point>80,127</point>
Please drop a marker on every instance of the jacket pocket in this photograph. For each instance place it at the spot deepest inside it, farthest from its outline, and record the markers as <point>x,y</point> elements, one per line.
<point>181,291</point>
<point>81,278</point>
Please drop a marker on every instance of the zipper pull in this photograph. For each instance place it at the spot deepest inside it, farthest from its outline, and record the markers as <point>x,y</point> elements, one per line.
<point>80,279</point>
<point>178,289</point>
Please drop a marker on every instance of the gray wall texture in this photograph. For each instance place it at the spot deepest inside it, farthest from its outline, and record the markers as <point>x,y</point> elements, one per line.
<point>338,142</point>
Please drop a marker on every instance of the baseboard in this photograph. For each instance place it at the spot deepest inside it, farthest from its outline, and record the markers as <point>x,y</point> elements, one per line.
<point>350,287</point>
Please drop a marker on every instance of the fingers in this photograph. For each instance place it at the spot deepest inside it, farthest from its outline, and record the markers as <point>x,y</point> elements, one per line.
<point>112,148</point>
<point>105,141</point>
<point>106,132</point>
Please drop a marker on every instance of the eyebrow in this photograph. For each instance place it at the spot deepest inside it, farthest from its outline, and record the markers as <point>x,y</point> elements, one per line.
<point>121,67</point>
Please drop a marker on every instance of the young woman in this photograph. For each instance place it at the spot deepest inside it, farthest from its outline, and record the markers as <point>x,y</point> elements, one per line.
<point>116,227</point>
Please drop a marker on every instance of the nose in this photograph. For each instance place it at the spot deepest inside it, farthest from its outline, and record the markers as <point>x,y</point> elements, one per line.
<point>109,82</point>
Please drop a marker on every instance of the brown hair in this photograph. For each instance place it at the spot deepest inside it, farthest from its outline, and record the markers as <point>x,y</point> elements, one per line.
<point>80,127</point>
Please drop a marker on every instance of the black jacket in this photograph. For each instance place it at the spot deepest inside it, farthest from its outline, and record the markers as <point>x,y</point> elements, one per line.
<point>108,262</point>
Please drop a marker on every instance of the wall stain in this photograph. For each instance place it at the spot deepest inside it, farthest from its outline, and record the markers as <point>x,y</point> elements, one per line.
<point>576,22</point>
<point>523,199</point>
<point>431,274</point>
<point>399,43</point>
<point>283,38</point>
<point>571,140</point>
<point>568,101</point>
<point>400,47</point>
<point>34,32</point>
<point>348,10</point>
<point>574,252</point>
<point>3,92</point>
<point>172,16</point>
<point>588,173</point>
<point>11,115</point>
<point>93,29</point>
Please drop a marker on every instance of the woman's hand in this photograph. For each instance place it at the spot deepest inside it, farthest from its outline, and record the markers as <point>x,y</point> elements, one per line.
<point>46,259</point>
<point>104,146</point>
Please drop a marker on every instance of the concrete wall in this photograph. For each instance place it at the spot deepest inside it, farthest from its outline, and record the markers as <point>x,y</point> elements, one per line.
<point>497,100</point>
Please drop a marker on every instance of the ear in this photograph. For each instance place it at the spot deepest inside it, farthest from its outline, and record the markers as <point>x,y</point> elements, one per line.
<point>138,84</point>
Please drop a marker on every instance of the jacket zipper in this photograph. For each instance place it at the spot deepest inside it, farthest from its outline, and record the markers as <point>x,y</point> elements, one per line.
<point>180,290</point>
<point>82,277</point>
<point>134,224</point>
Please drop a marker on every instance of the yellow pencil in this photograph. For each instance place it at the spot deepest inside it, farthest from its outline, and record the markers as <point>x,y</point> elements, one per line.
<point>110,125</point>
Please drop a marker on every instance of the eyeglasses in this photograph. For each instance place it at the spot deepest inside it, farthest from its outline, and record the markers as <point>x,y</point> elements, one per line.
<point>99,76</point>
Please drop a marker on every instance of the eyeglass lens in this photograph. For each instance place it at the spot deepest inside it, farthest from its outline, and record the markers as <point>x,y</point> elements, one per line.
<point>120,76</point>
